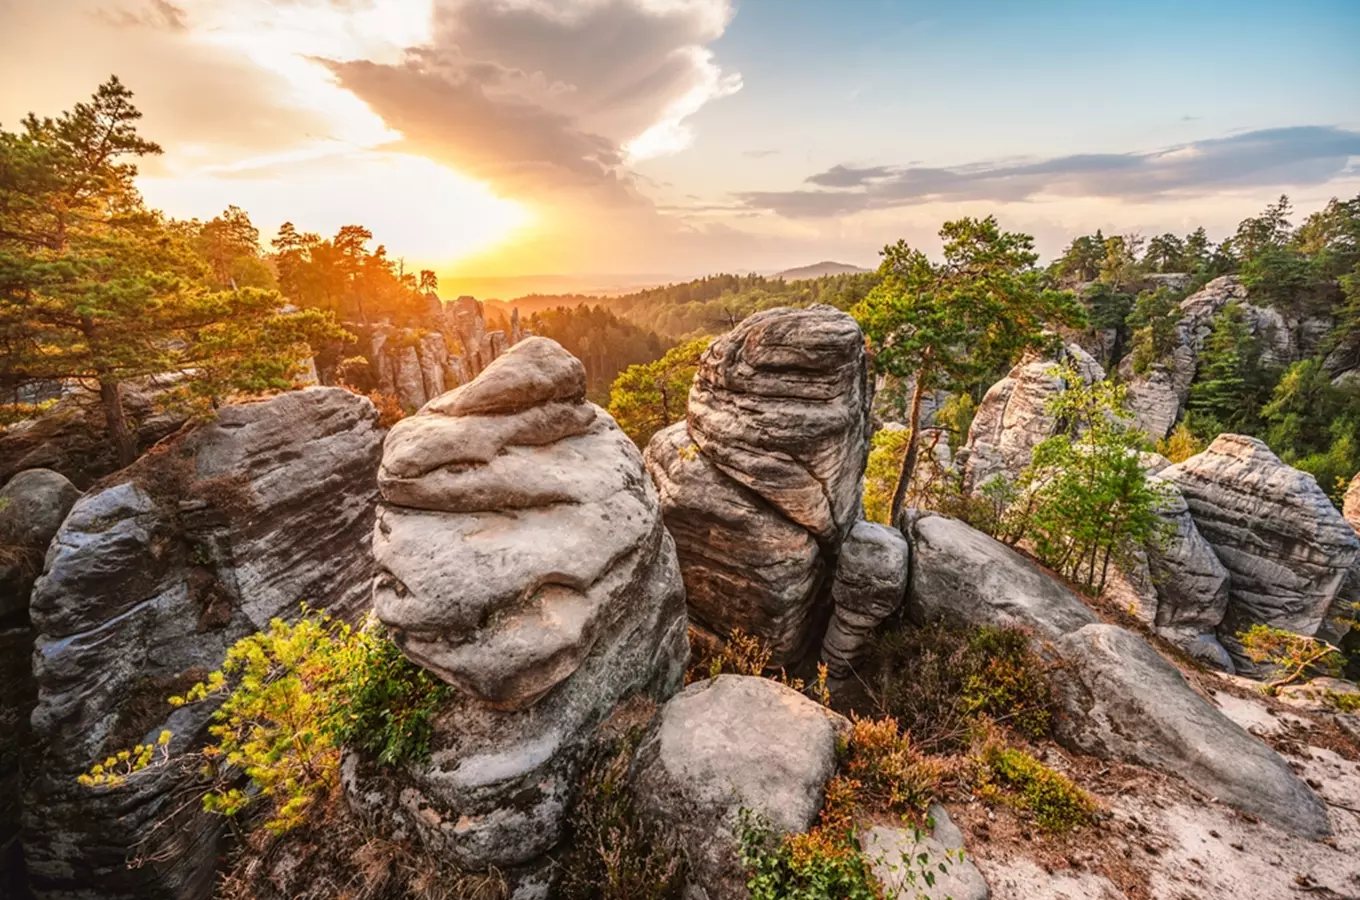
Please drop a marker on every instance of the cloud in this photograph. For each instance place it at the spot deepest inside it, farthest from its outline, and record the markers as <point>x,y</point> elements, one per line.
<point>759,154</point>
<point>533,95</point>
<point>156,14</point>
<point>1303,155</point>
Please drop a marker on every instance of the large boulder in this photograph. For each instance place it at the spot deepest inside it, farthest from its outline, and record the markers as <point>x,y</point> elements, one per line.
<point>729,744</point>
<point>1287,549</point>
<point>964,577</point>
<point>522,558</point>
<point>32,506</point>
<point>146,585</point>
<point>1121,700</point>
<point>870,585</point>
<point>745,565</point>
<point>895,854</point>
<point>1013,417</point>
<point>762,483</point>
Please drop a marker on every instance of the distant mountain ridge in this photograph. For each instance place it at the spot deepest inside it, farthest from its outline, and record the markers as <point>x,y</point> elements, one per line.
<point>819,270</point>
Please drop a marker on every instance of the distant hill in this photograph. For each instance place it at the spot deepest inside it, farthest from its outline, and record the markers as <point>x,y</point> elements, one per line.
<point>819,270</point>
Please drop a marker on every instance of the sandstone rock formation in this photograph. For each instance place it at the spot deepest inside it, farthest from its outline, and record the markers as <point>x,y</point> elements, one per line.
<point>1286,548</point>
<point>146,584</point>
<point>32,506</point>
<point>870,585</point>
<point>762,484</point>
<point>522,558</point>
<point>1157,397</point>
<point>1123,701</point>
<point>731,743</point>
<point>894,853</point>
<point>962,576</point>
<point>1013,417</point>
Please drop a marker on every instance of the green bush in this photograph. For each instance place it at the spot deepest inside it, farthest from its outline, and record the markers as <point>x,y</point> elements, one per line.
<point>937,681</point>
<point>1058,805</point>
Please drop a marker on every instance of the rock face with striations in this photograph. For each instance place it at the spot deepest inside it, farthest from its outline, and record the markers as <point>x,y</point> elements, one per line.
<point>1013,417</point>
<point>522,558</point>
<point>1287,549</point>
<point>1122,700</point>
<point>870,585</point>
<point>146,585</point>
<point>32,506</point>
<point>730,743</point>
<point>762,483</point>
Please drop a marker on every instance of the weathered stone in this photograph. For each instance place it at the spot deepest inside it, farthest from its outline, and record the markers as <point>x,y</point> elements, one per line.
<point>962,576</point>
<point>522,558</point>
<point>1191,582</point>
<point>870,585</point>
<point>1285,546</point>
<point>1154,402</point>
<point>727,744</point>
<point>1121,700</point>
<point>1013,417</point>
<point>32,506</point>
<point>781,405</point>
<point>145,587</point>
<point>744,564</point>
<point>894,854</point>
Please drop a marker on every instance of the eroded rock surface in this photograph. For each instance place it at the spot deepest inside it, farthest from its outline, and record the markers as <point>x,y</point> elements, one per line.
<point>1123,701</point>
<point>1013,417</point>
<point>762,484</point>
<point>146,585</point>
<point>522,558</point>
<point>894,854</point>
<point>730,743</point>
<point>962,576</point>
<point>32,506</point>
<point>870,585</point>
<point>1287,549</point>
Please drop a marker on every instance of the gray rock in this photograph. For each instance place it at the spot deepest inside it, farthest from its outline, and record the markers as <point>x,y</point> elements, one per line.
<point>893,853</point>
<point>1287,549</point>
<point>962,576</point>
<point>521,557</point>
<point>146,585</point>
<point>1121,700</point>
<point>32,506</point>
<point>1013,417</point>
<point>781,405</point>
<point>870,585</point>
<point>1154,401</point>
<point>727,744</point>
<point>1191,583</point>
<point>745,565</point>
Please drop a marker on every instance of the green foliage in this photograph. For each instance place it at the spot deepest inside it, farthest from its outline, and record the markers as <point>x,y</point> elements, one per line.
<point>389,702</point>
<point>825,864</point>
<point>955,416</point>
<point>939,681</point>
<point>1231,384</point>
<point>952,323</point>
<point>1087,499</point>
<point>292,696</point>
<point>1295,655</point>
<point>889,773</point>
<point>343,277</point>
<point>1166,253</point>
<point>646,398</point>
<point>1154,318</point>
<point>116,769</point>
<point>1057,804</point>
<point>887,448</point>
<point>614,853</point>
<point>1180,444</point>
<point>97,288</point>
<point>1082,259</point>
<point>1315,424</point>
<point>604,343</point>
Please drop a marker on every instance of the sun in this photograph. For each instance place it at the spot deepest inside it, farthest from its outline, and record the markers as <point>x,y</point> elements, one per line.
<point>423,212</point>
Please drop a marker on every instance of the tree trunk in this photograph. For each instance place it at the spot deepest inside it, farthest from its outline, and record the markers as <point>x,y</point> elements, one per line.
<point>913,448</point>
<point>111,396</point>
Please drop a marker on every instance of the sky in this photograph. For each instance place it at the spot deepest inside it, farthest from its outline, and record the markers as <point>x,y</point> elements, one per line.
<point>673,138</point>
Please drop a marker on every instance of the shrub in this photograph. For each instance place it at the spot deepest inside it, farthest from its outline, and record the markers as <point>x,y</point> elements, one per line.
<point>294,695</point>
<point>936,681</point>
<point>613,854</point>
<point>889,445</point>
<point>822,864</point>
<point>1295,654</point>
<point>890,773</point>
<point>1181,444</point>
<point>1058,805</point>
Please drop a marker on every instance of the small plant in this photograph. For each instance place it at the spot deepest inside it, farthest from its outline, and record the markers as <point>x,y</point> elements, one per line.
<point>294,696</point>
<point>1057,803</point>
<point>1181,444</point>
<point>937,681</point>
<point>825,863</point>
<point>1346,703</point>
<point>1295,654</point>
<point>891,774</point>
<point>745,654</point>
<point>613,853</point>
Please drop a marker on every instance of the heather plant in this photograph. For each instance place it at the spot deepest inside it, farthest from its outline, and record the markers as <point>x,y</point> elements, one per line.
<point>1294,655</point>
